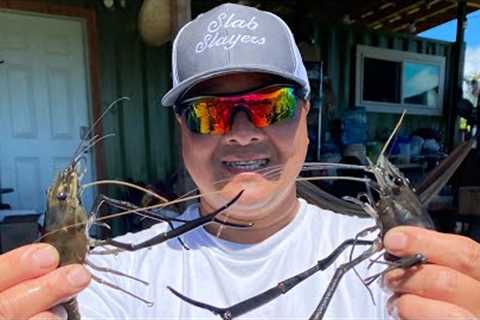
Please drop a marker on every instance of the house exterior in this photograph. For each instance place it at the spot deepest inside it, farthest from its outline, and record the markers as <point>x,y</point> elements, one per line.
<point>100,41</point>
<point>114,62</point>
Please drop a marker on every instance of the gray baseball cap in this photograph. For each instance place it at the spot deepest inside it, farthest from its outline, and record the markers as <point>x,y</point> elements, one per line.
<point>233,38</point>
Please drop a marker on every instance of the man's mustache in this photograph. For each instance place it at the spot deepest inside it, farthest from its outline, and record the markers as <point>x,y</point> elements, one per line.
<point>246,151</point>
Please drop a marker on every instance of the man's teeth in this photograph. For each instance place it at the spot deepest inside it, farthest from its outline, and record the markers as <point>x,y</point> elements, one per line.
<point>246,165</point>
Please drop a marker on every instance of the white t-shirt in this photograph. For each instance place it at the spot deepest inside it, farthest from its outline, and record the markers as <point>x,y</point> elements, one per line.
<point>223,273</point>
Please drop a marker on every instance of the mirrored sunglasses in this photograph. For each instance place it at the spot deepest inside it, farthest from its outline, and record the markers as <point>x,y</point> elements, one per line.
<point>214,114</point>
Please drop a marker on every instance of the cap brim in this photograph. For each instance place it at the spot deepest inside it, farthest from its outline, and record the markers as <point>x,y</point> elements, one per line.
<point>171,97</point>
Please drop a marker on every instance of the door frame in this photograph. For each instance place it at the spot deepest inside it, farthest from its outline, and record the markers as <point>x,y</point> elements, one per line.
<point>88,15</point>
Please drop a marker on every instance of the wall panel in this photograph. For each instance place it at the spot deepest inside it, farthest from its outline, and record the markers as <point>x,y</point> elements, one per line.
<point>143,148</point>
<point>338,47</point>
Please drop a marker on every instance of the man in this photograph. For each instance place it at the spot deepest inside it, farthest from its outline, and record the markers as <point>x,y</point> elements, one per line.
<point>243,63</point>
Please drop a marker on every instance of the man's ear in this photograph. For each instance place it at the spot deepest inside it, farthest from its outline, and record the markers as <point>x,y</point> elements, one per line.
<point>306,105</point>
<point>179,119</point>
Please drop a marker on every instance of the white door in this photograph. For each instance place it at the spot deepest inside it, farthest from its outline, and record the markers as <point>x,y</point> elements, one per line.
<point>43,103</point>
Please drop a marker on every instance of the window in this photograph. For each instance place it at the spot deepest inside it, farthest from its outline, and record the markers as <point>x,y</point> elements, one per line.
<point>391,81</point>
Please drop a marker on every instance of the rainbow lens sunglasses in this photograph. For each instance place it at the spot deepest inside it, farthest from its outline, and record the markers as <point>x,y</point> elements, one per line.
<point>266,106</point>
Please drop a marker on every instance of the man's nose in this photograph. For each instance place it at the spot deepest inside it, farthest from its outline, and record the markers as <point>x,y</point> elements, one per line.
<point>242,130</point>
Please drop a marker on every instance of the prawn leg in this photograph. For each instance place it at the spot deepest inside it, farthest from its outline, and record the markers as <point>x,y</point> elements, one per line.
<point>112,271</point>
<point>113,286</point>
<point>72,309</point>
<point>338,275</point>
<point>124,205</point>
<point>404,263</point>
<point>152,214</point>
<point>362,233</point>
<point>272,293</point>
<point>186,227</point>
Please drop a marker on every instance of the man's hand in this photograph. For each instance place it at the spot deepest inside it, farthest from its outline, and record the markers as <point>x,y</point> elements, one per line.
<point>446,287</point>
<point>31,284</point>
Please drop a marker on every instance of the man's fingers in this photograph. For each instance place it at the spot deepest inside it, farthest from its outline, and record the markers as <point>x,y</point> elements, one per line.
<point>46,316</point>
<point>25,263</point>
<point>410,307</point>
<point>56,313</point>
<point>438,283</point>
<point>457,252</point>
<point>31,297</point>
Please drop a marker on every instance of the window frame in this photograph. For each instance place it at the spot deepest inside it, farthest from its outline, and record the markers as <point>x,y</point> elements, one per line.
<point>402,57</point>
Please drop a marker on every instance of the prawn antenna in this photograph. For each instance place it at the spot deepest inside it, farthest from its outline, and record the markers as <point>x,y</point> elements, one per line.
<point>394,133</point>
<point>96,122</point>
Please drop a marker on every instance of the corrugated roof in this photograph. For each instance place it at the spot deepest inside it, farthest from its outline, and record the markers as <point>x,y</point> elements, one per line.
<point>406,16</point>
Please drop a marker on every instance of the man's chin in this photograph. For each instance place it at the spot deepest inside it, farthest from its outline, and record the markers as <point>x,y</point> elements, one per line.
<point>256,195</point>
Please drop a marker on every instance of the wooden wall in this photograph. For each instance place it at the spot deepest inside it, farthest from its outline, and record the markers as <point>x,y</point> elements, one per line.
<point>144,148</point>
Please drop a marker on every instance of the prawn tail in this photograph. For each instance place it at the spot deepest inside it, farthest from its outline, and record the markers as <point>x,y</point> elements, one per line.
<point>71,307</point>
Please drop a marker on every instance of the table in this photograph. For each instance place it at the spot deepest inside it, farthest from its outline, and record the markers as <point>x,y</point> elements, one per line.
<point>2,191</point>
<point>13,213</point>
<point>446,220</point>
<point>17,228</point>
<point>6,190</point>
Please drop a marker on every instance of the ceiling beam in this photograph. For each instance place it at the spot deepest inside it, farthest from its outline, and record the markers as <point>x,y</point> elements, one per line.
<point>398,12</point>
<point>473,4</point>
<point>435,21</point>
<point>363,10</point>
<point>439,19</point>
<point>420,16</point>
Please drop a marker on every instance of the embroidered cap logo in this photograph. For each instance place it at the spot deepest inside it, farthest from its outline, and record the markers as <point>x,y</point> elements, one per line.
<point>223,21</point>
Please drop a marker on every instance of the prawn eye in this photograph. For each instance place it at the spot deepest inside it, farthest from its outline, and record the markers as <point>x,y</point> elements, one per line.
<point>62,196</point>
<point>398,181</point>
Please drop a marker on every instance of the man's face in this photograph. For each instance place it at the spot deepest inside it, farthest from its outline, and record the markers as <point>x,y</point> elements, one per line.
<point>231,162</point>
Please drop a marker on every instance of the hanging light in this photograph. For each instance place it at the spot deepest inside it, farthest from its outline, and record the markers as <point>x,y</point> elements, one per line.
<point>115,4</point>
<point>109,4</point>
<point>346,19</point>
<point>154,21</point>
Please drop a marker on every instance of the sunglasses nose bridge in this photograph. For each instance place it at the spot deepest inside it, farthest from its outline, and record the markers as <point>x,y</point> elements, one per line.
<point>241,128</point>
<point>240,107</point>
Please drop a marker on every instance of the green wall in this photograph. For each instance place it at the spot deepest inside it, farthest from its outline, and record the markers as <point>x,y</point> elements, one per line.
<point>338,46</point>
<point>144,148</point>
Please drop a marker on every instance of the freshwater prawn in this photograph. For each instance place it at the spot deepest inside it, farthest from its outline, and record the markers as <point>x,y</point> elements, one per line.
<point>398,204</point>
<point>67,224</point>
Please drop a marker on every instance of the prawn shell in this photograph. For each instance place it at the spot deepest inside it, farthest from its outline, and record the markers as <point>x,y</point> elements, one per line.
<point>403,208</point>
<point>66,220</point>
<point>71,242</point>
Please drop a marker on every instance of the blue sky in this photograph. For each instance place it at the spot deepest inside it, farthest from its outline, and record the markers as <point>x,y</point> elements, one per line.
<point>447,31</point>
